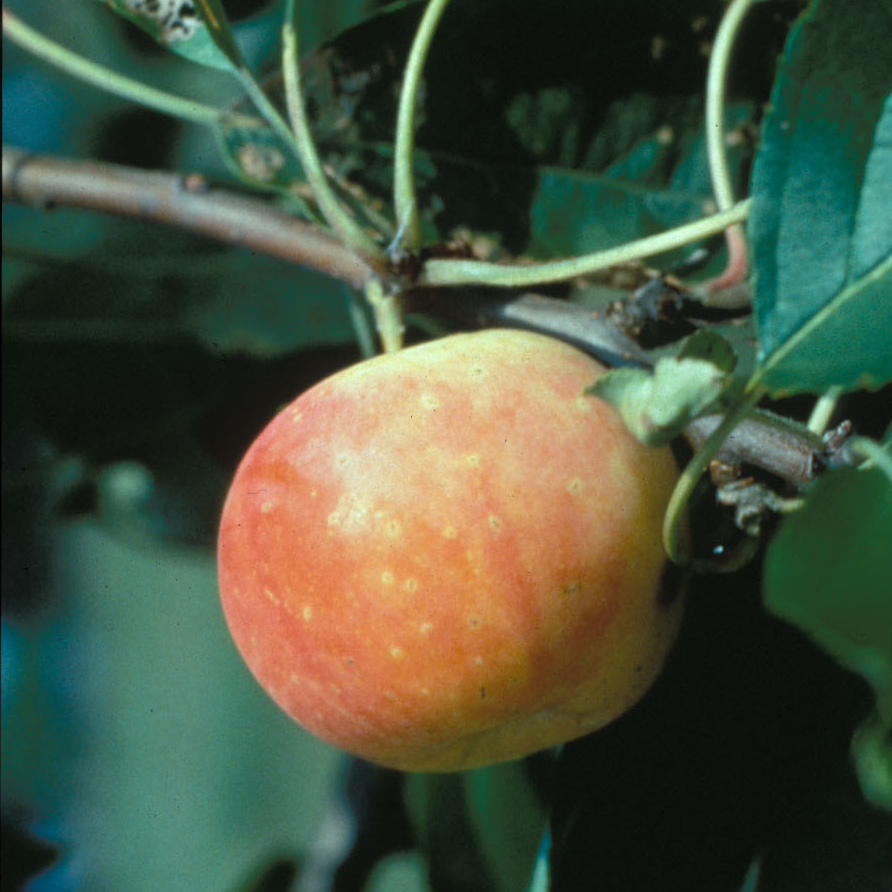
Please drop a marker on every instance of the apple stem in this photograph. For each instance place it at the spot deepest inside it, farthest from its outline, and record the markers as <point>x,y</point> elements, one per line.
<point>385,305</point>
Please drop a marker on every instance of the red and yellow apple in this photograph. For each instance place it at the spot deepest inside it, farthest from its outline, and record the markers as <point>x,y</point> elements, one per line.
<point>450,556</point>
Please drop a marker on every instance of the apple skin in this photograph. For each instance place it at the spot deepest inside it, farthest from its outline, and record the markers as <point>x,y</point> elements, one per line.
<point>449,556</point>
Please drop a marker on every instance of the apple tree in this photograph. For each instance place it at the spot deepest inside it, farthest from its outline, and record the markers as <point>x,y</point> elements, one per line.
<point>520,374</point>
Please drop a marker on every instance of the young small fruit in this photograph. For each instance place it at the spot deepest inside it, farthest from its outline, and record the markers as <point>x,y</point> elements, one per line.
<point>449,556</point>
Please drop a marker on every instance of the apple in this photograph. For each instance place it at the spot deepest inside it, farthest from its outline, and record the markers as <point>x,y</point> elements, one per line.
<point>450,556</point>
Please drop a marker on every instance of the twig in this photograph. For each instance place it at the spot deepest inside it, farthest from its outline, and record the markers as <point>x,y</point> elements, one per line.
<point>171,199</point>
<point>481,272</point>
<point>767,441</point>
<point>789,451</point>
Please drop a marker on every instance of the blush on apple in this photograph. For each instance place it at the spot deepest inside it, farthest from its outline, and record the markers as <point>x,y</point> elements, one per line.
<point>449,556</point>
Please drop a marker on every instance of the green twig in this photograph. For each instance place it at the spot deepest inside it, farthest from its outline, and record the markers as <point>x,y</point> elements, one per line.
<point>99,76</point>
<point>388,314</point>
<point>404,199</point>
<point>717,156</point>
<point>677,508</point>
<point>350,232</point>
<point>876,455</point>
<point>479,272</point>
<point>715,102</point>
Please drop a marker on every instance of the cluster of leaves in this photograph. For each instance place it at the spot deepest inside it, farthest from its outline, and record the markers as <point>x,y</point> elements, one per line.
<point>730,774</point>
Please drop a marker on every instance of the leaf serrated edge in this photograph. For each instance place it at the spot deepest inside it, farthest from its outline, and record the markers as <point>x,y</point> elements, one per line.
<point>804,331</point>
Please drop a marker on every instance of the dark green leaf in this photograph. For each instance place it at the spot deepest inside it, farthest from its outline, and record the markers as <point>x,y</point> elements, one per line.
<point>196,29</point>
<point>829,571</point>
<point>547,139</point>
<point>481,829</point>
<point>822,188</point>
<point>872,752</point>
<point>438,811</point>
<point>509,816</point>
<point>739,752</point>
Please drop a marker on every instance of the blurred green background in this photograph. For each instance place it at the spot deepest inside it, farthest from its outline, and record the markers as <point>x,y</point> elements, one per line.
<point>134,740</point>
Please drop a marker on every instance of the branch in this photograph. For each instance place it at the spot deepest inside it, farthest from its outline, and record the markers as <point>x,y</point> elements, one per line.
<point>178,200</point>
<point>764,441</point>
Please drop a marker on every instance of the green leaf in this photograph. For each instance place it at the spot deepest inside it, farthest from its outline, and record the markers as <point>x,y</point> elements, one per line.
<point>562,222</point>
<point>739,752</point>
<point>707,344</point>
<point>481,829</point>
<point>820,227</point>
<point>872,752</point>
<point>828,571</point>
<point>255,154</point>
<point>543,162</point>
<point>195,29</point>
<point>657,405</point>
<point>438,812</point>
<point>509,818</point>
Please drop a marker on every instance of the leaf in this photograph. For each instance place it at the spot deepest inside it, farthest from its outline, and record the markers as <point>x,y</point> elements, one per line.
<point>195,29</point>
<point>657,405</point>
<point>438,813</point>
<point>660,181</point>
<point>583,149</point>
<point>259,157</point>
<point>205,339</point>
<point>820,227</point>
<point>872,752</point>
<point>481,829</point>
<point>509,816</point>
<point>707,344</point>
<point>829,569</point>
<point>740,751</point>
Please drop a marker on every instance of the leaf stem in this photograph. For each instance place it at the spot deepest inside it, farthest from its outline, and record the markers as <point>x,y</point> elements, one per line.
<point>719,171</point>
<point>877,455</point>
<point>104,78</point>
<point>715,101</point>
<point>404,198</point>
<point>480,272</point>
<point>677,508</point>
<point>350,232</point>
<point>823,410</point>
